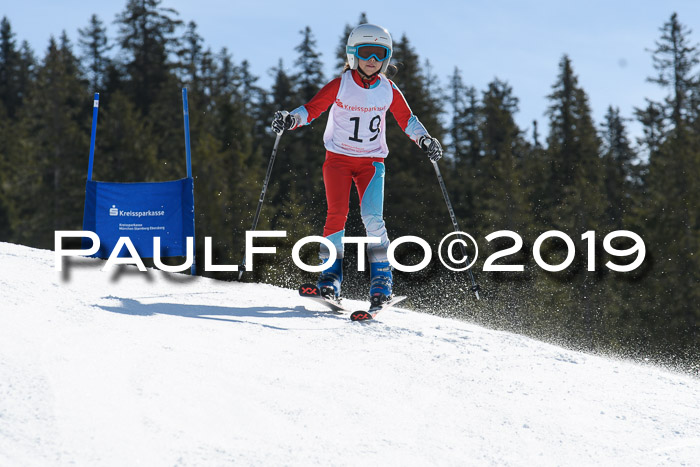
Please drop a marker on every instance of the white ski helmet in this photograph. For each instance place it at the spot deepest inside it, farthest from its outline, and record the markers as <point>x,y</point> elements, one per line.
<point>368,34</point>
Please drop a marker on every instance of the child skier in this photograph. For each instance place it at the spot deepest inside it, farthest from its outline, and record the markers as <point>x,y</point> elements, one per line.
<point>355,142</point>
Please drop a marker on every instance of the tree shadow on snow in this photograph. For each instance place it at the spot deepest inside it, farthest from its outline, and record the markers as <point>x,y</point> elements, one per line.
<point>133,307</point>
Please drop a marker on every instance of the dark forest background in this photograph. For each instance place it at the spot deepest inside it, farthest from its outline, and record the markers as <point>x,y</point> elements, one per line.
<point>571,174</point>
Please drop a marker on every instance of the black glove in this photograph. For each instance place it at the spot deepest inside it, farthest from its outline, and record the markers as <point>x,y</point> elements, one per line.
<point>432,147</point>
<point>283,121</point>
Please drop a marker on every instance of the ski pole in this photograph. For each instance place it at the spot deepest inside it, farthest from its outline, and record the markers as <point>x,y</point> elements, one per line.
<point>241,268</point>
<point>475,286</point>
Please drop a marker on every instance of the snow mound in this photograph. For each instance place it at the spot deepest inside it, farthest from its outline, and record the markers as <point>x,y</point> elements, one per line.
<point>130,368</point>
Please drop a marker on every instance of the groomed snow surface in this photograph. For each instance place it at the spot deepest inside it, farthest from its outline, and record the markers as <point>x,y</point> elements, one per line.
<point>127,368</point>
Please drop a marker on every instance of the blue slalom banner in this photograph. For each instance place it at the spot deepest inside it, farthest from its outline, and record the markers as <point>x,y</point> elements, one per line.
<point>140,211</point>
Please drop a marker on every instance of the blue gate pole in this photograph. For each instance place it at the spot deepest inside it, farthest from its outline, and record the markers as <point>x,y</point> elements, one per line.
<point>186,116</point>
<point>95,108</point>
<point>188,154</point>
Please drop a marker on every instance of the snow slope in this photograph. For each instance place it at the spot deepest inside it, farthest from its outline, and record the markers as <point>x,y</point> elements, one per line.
<point>129,368</point>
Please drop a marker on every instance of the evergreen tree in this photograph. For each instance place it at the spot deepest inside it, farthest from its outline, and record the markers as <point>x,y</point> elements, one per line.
<point>233,101</point>
<point>95,46</point>
<point>27,69</point>
<point>574,200</point>
<point>308,64</point>
<point>191,56</point>
<point>149,42</point>
<point>501,198</point>
<point>674,60</point>
<point>13,70</point>
<point>618,160</point>
<point>255,102</point>
<point>251,93</point>
<point>575,177</point>
<point>16,75</point>
<point>49,172</point>
<point>465,141</point>
<point>623,190</point>
<point>672,198</point>
<point>147,36</point>
<point>502,193</point>
<point>465,146</point>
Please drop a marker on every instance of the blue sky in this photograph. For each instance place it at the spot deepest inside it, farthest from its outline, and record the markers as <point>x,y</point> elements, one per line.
<point>520,42</point>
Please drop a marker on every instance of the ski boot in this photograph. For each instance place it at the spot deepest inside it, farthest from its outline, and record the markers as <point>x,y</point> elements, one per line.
<point>381,281</point>
<point>330,279</point>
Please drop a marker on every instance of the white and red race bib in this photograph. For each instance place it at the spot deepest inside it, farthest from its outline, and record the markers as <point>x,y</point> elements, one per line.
<point>357,120</point>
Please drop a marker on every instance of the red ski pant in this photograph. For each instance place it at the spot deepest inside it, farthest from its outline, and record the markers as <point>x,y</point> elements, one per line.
<point>339,172</point>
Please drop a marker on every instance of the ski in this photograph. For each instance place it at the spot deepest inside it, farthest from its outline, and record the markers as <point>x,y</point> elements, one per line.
<point>312,291</point>
<point>362,315</point>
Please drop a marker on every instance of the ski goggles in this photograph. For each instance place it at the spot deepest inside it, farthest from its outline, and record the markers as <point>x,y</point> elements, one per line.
<point>367,51</point>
